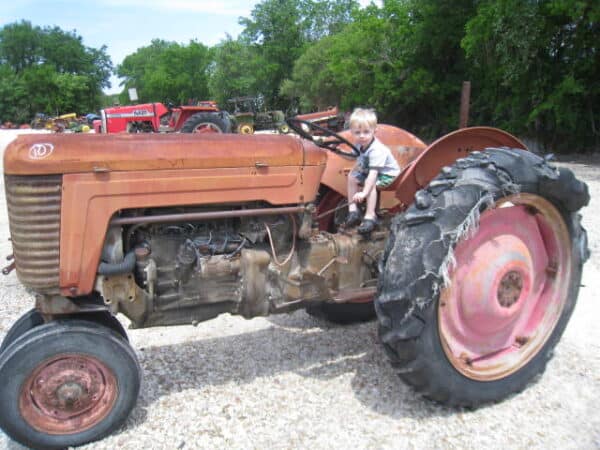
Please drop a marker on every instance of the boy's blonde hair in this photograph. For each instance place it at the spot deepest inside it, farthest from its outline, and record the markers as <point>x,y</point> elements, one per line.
<point>363,117</point>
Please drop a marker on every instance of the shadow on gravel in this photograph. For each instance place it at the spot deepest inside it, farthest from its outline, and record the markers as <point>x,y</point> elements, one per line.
<point>295,343</point>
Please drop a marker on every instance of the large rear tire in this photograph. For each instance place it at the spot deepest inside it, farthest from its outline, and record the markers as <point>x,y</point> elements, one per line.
<point>480,276</point>
<point>206,122</point>
<point>66,383</point>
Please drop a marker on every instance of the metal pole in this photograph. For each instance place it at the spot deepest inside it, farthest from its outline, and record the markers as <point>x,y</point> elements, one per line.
<point>465,99</point>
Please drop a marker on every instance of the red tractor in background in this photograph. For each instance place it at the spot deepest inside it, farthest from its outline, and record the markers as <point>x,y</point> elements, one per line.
<point>203,117</point>
<point>331,119</point>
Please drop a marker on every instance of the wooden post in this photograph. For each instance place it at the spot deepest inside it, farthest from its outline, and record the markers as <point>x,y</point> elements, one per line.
<point>465,99</point>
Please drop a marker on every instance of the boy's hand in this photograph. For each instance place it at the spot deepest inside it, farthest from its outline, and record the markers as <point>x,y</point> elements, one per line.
<point>359,197</point>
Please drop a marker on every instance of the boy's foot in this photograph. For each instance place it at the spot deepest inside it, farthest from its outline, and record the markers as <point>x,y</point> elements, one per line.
<point>367,226</point>
<point>353,219</point>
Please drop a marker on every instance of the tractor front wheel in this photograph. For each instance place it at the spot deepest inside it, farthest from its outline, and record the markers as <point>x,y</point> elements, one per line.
<point>26,322</point>
<point>481,276</point>
<point>66,383</point>
<point>33,318</point>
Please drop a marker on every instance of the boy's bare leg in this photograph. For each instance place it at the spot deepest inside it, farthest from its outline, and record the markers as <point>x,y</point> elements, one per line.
<point>371,204</point>
<point>353,188</point>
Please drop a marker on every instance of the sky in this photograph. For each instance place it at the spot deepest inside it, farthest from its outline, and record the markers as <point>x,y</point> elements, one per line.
<point>126,25</point>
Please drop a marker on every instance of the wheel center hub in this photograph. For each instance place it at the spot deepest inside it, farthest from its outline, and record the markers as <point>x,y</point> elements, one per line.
<point>69,393</point>
<point>510,289</point>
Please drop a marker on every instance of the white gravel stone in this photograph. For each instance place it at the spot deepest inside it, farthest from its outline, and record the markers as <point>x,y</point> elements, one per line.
<point>294,382</point>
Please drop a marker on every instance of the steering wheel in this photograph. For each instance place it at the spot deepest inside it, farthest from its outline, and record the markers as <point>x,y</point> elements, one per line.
<point>304,128</point>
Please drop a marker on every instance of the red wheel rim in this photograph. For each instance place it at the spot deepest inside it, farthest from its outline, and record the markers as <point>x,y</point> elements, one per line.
<point>207,127</point>
<point>68,394</point>
<point>507,289</point>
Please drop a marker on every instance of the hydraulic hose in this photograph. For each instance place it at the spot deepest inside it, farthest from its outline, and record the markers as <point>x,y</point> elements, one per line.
<point>124,266</point>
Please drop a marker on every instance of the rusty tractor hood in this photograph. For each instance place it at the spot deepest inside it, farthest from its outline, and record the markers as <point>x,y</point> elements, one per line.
<point>38,154</point>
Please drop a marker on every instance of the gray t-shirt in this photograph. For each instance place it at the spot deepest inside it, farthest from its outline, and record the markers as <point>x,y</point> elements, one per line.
<point>379,157</point>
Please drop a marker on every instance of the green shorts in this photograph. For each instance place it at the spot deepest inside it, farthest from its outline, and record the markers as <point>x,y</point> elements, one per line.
<point>384,181</point>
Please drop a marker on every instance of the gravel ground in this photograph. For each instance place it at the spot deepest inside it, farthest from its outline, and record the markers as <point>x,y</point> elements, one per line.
<point>293,381</point>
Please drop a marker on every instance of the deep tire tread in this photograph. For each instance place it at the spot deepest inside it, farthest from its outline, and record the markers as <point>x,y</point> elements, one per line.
<point>421,240</point>
<point>218,119</point>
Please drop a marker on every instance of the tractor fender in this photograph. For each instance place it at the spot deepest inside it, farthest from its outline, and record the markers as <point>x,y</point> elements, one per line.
<point>405,147</point>
<point>443,152</point>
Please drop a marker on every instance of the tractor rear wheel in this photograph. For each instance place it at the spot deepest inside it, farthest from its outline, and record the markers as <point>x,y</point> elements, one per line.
<point>206,122</point>
<point>67,383</point>
<point>481,276</point>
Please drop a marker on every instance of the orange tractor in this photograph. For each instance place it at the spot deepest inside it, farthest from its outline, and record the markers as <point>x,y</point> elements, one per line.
<point>472,275</point>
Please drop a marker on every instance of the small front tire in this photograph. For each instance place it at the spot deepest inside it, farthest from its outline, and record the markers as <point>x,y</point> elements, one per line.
<point>67,383</point>
<point>26,322</point>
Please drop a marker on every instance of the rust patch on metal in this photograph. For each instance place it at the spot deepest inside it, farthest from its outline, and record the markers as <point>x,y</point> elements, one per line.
<point>68,394</point>
<point>510,289</point>
<point>552,269</point>
<point>521,340</point>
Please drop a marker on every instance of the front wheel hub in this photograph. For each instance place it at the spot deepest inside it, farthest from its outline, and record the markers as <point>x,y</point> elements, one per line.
<point>68,394</point>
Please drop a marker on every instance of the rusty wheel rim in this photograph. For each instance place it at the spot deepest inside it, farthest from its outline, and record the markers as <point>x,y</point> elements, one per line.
<point>507,290</point>
<point>67,394</point>
<point>207,127</point>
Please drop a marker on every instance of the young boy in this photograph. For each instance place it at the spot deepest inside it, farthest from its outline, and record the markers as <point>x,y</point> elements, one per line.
<point>375,168</point>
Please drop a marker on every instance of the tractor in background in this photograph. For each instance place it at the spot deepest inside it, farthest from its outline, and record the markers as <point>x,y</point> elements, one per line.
<point>249,117</point>
<point>331,119</point>
<point>201,117</point>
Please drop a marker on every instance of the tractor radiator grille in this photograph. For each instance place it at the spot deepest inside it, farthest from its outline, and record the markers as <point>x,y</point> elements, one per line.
<point>34,216</point>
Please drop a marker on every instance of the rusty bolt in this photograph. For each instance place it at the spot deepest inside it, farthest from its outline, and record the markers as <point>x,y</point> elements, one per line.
<point>521,340</point>
<point>532,210</point>
<point>465,358</point>
<point>552,269</point>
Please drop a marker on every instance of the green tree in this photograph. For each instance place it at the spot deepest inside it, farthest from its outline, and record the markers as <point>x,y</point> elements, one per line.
<point>340,69</point>
<point>233,70</point>
<point>52,71</point>
<point>14,106</point>
<point>136,66</point>
<point>20,45</point>
<point>278,32</point>
<point>168,71</point>
<point>537,65</point>
<point>403,59</point>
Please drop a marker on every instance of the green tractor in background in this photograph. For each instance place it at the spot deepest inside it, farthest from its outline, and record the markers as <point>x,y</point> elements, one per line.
<point>249,117</point>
